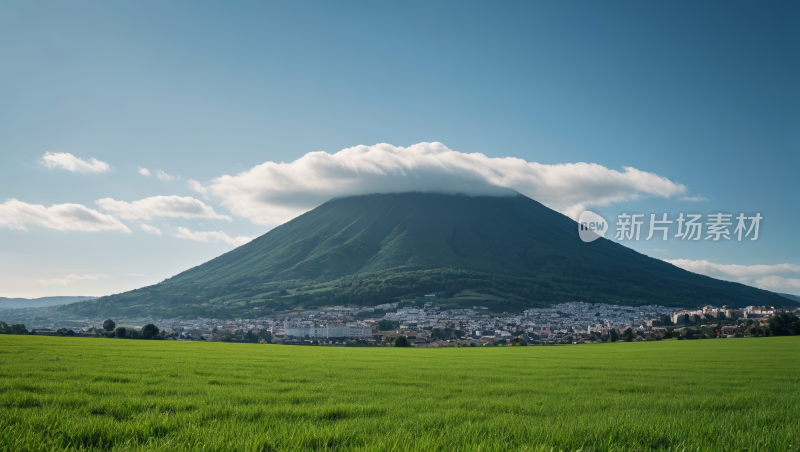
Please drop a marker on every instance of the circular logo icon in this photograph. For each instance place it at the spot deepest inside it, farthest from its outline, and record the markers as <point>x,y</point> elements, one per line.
<point>591,226</point>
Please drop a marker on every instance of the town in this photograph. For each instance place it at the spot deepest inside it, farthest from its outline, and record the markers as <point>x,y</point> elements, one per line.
<point>421,323</point>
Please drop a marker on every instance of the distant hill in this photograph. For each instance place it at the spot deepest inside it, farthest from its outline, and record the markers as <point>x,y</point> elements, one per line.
<point>795,298</point>
<point>14,303</point>
<point>506,253</point>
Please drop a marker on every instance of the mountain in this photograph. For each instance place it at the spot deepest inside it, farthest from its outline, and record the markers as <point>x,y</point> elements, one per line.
<point>506,253</point>
<point>791,297</point>
<point>16,303</point>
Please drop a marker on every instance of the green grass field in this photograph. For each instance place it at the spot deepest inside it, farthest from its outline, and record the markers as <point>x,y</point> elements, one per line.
<point>731,395</point>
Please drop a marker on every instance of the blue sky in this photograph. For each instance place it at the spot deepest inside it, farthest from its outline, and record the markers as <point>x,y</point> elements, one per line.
<point>702,96</point>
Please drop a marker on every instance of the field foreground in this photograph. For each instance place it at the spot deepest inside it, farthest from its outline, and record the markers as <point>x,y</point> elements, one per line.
<point>730,395</point>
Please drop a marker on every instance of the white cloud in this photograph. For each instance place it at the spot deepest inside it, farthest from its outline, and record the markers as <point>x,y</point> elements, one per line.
<point>272,193</point>
<point>777,278</point>
<point>780,284</point>
<point>198,187</point>
<point>160,206</point>
<point>71,163</point>
<point>164,176</point>
<point>150,229</point>
<point>90,277</point>
<point>211,236</point>
<point>64,217</point>
<point>694,198</point>
<point>69,279</point>
<point>58,282</point>
<point>144,171</point>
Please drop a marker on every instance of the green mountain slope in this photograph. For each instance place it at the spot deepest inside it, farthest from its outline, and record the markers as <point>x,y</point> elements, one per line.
<point>14,303</point>
<point>507,252</point>
<point>791,297</point>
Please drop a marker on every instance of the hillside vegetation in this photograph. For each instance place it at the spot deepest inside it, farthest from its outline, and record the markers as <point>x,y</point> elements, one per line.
<point>120,395</point>
<point>16,303</point>
<point>364,250</point>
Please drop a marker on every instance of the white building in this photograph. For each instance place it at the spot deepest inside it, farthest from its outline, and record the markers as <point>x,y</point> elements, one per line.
<point>355,332</point>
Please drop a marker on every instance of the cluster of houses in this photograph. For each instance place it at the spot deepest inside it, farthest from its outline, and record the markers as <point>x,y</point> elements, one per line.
<point>430,325</point>
<point>328,331</point>
<point>723,313</point>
